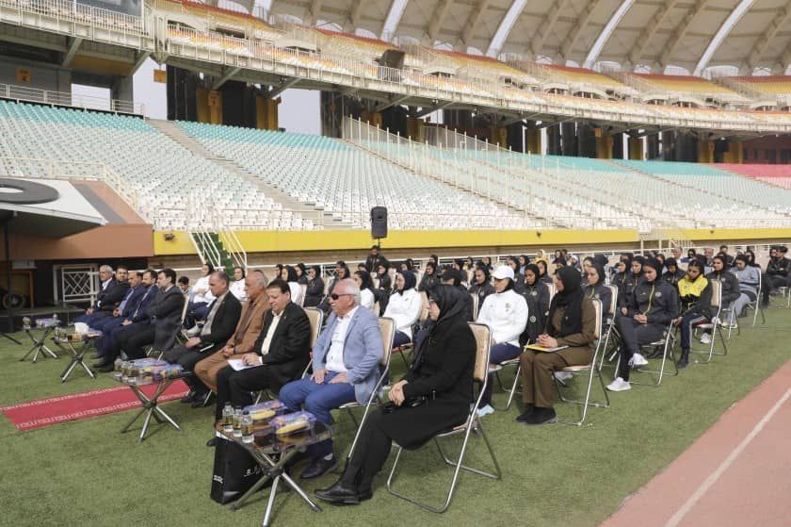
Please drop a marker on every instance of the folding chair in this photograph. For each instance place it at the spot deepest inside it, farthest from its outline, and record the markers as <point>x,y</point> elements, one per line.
<point>756,305</point>
<point>667,343</point>
<point>483,339</point>
<point>713,325</point>
<point>304,288</point>
<point>387,328</point>
<point>591,370</point>
<point>610,325</point>
<point>475,306</point>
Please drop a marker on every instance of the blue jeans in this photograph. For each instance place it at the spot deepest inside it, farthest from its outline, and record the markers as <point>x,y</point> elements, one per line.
<point>318,399</point>
<point>499,353</point>
<point>93,318</point>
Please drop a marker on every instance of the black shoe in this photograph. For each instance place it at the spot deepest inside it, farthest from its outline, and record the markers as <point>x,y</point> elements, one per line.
<point>104,368</point>
<point>189,398</point>
<point>683,361</point>
<point>319,467</point>
<point>211,443</point>
<point>340,494</point>
<point>541,416</point>
<point>200,400</point>
<point>524,416</point>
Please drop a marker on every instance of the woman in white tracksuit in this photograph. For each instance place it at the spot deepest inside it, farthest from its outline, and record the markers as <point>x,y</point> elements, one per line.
<point>505,312</point>
<point>404,307</point>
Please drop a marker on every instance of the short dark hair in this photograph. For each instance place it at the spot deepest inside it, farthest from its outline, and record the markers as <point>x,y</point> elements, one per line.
<point>279,284</point>
<point>723,247</point>
<point>184,280</point>
<point>170,273</point>
<point>139,274</point>
<point>697,264</point>
<point>151,273</point>
<point>125,268</point>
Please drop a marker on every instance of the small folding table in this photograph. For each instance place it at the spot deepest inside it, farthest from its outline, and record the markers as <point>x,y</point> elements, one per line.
<point>149,405</point>
<point>46,326</point>
<point>77,345</point>
<point>272,452</point>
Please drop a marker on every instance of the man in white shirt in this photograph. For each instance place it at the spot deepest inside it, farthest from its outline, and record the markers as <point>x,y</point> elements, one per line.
<point>345,369</point>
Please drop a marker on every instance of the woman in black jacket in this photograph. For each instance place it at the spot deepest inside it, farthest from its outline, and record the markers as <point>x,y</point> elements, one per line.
<point>435,395</point>
<point>429,279</point>
<point>315,291</point>
<point>481,285</point>
<point>536,295</point>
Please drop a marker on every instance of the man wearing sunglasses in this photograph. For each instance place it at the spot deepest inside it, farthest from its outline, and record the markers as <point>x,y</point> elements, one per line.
<point>345,369</point>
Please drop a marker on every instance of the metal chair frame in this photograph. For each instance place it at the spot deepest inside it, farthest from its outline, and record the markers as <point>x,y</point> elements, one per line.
<point>483,339</point>
<point>714,326</point>
<point>668,344</point>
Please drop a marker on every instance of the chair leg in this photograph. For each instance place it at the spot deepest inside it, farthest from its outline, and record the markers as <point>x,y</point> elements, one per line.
<point>513,386</point>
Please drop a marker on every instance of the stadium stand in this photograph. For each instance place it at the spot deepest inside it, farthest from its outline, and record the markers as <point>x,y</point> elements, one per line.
<point>778,175</point>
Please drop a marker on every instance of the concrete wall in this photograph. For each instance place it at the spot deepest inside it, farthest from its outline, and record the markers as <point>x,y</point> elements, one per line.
<point>42,76</point>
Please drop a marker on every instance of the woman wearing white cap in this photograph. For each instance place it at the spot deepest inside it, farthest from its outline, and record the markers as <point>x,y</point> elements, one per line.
<point>505,312</point>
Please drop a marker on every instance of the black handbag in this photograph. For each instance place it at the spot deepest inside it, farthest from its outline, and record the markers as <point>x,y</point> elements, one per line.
<point>235,471</point>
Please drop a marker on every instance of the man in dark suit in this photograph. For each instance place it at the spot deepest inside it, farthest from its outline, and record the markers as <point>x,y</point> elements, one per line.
<point>114,288</point>
<point>164,319</point>
<point>127,305</point>
<point>279,355</point>
<point>221,321</point>
<point>107,347</point>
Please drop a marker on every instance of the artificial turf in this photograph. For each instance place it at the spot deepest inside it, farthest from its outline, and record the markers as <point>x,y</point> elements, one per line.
<point>87,473</point>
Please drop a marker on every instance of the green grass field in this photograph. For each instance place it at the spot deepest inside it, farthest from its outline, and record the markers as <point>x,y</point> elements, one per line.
<point>87,473</point>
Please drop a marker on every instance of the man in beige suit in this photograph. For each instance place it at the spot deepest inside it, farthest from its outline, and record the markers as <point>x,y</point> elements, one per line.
<point>247,331</point>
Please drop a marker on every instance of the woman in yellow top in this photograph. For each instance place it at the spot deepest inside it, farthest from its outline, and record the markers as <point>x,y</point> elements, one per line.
<point>695,292</point>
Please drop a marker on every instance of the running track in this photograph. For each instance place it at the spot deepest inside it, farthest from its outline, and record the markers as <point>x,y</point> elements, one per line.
<point>737,474</point>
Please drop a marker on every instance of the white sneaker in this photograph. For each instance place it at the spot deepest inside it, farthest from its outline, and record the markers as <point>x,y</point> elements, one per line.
<point>619,385</point>
<point>705,338</point>
<point>563,376</point>
<point>638,361</point>
<point>486,410</point>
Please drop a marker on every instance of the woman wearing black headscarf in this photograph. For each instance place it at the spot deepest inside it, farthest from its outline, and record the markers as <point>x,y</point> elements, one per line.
<point>302,274</point>
<point>543,275</point>
<point>595,288</point>
<point>519,279</point>
<point>289,275</point>
<point>572,323</point>
<point>366,285</point>
<point>385,287</point>
<point>429,279</point>
<point>633,276</point>
<point>673,273</point>
<point>315,291</point>
<point>536,295</point>
<point>433,396</point>
<point>481,285</point>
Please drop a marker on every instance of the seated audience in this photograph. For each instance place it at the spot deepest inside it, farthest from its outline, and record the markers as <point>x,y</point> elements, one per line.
<point>131,299</point>
<point>729,282</point>
<point>673,273</point>
<point>543,273</point>
<point>694,292</point>
<point>162,323</point>
<point>238,284</point>
<point>113,290</point>
<point>404,307</point>
<point>778,272</point>
<point>367,298</point>
<point>596,289</point>
<point>302,274</point>
<point>221,320</point>
<point>289,275</point>
<point>201,295</point>
<point>441,375</point>
<point>749,279</point>
<point>643,320</point>
<point>246,333</point>
<point>429,279</point>
<point>572,323</point>
<point>345,368</point>
<point>277,357</point>
<point>315,291</point>
<point>505,312</point>
<point>536,295</point>
<point>452,277</point>
<point>481,286</point>
<point>183,283</point>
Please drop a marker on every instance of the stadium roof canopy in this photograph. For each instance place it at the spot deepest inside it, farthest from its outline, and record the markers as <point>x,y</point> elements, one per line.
<point>637,34</point>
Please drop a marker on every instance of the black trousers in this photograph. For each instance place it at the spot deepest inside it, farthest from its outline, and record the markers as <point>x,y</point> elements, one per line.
<point>772,282</point>
<point>369,455</point>
<point>188,358</point>
<point>133,339</point>
<point>633,335</point>
<point>236,387</point>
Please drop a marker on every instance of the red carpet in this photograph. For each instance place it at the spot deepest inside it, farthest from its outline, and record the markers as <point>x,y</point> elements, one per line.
<point>46,412</point>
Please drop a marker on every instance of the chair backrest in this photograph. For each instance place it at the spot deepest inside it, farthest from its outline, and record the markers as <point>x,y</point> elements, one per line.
<point>552,291</point>
<point>483,341</point>
<point>186,306</point>
<point>304,288</point>
<point>423,306</point>
<point>599,316</point>
<point>387,328</point>
<point>716,293</point>
<point>376,309</point>
<point>475,306</point>
<point>316,318</point>
<point>375,281</point>
<point>613,307</point>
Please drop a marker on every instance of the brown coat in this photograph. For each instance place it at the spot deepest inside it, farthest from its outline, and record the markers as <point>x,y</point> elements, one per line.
<point>584,339</point>
<point>260,307</point>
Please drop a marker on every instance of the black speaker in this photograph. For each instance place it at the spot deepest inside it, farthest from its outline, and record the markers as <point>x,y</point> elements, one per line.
<point>379,222</point>
<point>392,58</point>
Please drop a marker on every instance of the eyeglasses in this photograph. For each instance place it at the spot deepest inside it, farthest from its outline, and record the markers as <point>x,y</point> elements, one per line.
<point>336,296</point>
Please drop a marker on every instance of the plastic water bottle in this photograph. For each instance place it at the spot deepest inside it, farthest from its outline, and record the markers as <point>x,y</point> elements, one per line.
<point>227,418</point>
<point>117,364</point>
<point>247,428</point>
<point>237,422</point>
